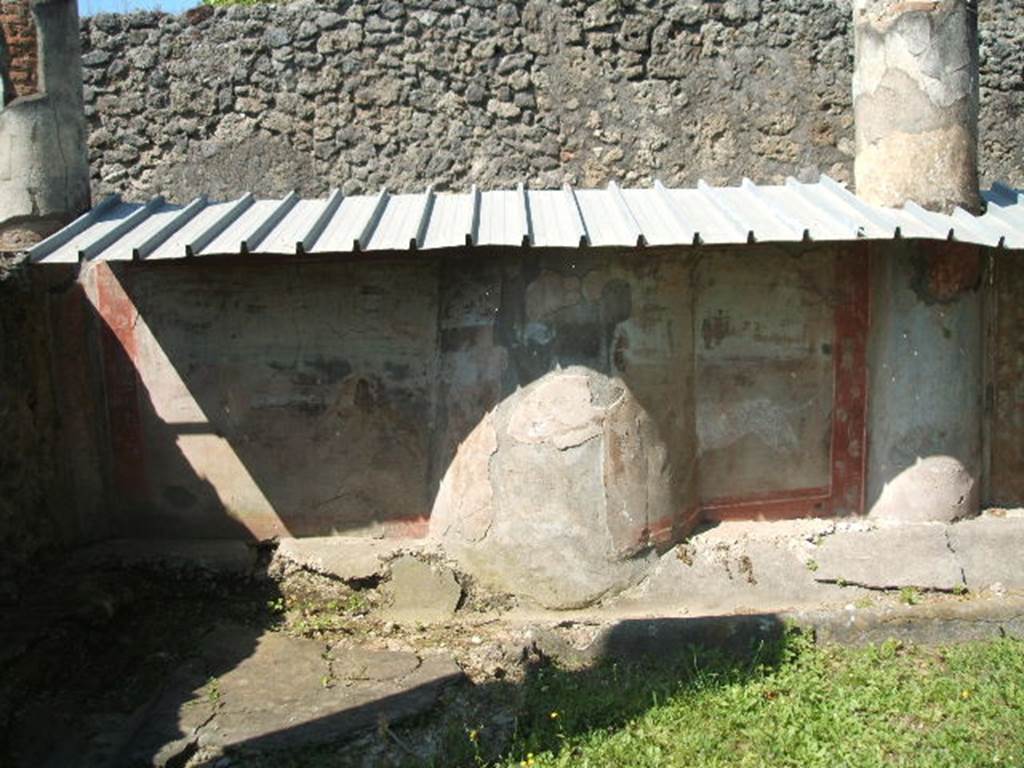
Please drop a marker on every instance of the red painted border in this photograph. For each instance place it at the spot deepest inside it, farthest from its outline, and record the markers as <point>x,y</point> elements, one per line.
<point>120,374</point>
<point>850,402</point>
<point>845,493</point>
<point>776,505</point>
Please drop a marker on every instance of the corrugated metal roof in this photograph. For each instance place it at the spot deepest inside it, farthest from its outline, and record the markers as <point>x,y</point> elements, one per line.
<point>566,218</point>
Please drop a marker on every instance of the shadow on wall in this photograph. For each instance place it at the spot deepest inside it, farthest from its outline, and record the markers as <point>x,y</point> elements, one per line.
<point>320,396</point>
<point>314,397</point>
<point>77,625</point>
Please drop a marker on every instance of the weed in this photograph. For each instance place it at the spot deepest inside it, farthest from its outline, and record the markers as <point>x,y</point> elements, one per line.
<point>812,565</point>
<point>910,596</point>
<point>276,606</point>
<point>213,691</point>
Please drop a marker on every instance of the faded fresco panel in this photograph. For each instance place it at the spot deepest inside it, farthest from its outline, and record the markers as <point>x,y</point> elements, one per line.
<point>764,338</point>
<point>286,399</point>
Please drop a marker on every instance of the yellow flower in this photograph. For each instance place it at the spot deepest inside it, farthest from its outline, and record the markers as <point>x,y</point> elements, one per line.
<point>554,715</point>
<point>965,694</point>
<point>473,735</point>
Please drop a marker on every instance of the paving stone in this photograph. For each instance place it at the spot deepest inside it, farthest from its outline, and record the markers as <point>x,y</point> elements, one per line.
<point>710,575</point>
<point>989,549</point>
<point>272,691</point>
<point>421,592</point>
<point>344,558</point>
<point>890,558</point>
<point>353,663</point>
<point>305,711</point>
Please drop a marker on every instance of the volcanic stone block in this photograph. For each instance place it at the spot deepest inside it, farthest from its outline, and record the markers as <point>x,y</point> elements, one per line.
<point>555,493</point>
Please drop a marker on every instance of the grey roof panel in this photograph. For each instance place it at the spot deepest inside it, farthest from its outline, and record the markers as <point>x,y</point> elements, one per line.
<point>292,228</point>
<point>238,231</point>
<point>555,219</point>
<point>503,218</point>
<point>346,225</point>
<point>109,220</point>
<point>451,221</point>
<point>656,217</point>
<point>608,220</point>
<point>564,218</point>
<point>399,225</point>
<point>156,219</point>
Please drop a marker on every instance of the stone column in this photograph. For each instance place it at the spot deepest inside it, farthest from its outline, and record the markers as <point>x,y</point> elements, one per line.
<point>915,95</point>
<point>925,399</point>
<point>44,162</point>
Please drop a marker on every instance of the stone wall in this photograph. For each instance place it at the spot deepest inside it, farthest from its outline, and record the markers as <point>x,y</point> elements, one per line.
<point>27,469</point>
<point>365,94</point>
<point>51,454</point>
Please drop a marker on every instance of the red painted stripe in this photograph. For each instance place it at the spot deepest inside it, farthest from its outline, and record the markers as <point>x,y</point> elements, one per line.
<point>122,386</point>
<point>775,505</point>
<point>849,407</point>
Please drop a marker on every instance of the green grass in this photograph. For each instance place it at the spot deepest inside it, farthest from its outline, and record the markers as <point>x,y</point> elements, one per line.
<point>795,705</point>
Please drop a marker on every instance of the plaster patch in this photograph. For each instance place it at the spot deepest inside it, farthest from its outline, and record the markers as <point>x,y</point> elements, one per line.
<point>720,425</point>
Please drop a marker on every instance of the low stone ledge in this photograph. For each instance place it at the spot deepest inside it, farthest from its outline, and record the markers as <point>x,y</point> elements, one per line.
<point>349,559</point>
<point>989,550</point>
<point>226,556</point>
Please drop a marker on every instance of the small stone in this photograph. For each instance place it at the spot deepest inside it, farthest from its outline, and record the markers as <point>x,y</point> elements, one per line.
<point>277,37</point>
<point>475,94</point>
<point>601,14</point>
<point>307,29</point>
<point>421,592</point>
<point>328,20</point>
<point>503,109</point>
<point>95,58</point>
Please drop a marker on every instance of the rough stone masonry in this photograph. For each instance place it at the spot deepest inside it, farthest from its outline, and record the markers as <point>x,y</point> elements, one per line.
<point>360,95</point>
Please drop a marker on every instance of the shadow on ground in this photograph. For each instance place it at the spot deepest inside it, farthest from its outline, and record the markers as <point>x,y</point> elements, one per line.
<point>87,656</point>
<point>119,670</point>
<point>627,669</point>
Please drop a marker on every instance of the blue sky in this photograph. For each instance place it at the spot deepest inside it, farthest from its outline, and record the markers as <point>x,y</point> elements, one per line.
<point>91,7</point>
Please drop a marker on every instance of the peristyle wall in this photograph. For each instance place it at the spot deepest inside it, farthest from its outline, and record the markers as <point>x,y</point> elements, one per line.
<point>553,418</point>
<point>265,397</point>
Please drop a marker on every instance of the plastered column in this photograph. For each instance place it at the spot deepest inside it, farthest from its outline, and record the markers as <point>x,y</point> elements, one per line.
<point>915,95</point>
<point>925,397</point>
<point>44,164</point>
